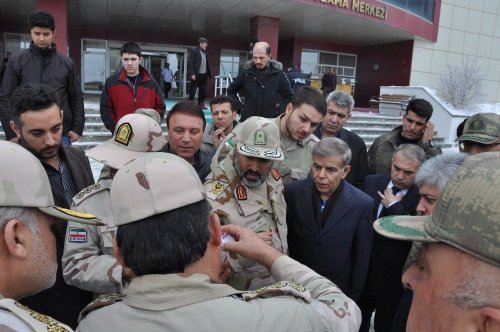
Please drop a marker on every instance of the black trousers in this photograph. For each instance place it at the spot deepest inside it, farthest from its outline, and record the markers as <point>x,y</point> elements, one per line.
<point>201,84</point>
<point>167,87</point>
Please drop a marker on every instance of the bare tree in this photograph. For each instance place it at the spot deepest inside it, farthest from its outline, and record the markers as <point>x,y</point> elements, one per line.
<point>460,86</point>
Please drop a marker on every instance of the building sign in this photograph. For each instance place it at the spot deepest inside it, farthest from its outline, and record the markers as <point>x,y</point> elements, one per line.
<point>359,7</point>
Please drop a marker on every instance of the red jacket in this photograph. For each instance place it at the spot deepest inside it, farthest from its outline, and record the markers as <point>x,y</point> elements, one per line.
<point>118,98</point>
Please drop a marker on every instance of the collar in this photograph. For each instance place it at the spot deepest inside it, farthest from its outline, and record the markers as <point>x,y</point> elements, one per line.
<point>142,70</point>
<point>168,291</point>
<point>43,51</point>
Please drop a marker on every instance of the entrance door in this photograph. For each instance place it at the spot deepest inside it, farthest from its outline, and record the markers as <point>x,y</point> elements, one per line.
<point>155,62</point>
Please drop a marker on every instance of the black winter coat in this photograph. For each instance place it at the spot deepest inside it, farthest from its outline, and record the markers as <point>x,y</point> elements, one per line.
<point>262,97</point>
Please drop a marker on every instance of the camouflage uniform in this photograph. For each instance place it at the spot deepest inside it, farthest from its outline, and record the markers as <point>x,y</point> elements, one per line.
<point>298,155</point>
<point>235,203</point>
<point>169,302</point>
<point>17,317</point>
<point>88,261</point>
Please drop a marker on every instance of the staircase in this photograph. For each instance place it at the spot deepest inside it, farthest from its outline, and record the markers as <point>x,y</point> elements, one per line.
<point>367,125</point>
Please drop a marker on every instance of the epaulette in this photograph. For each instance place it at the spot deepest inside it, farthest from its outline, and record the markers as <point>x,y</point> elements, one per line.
<point>91,190</point>
<point>275,174</point>
<point>216,188</point>
<point>101,301</point>
<point>313,138</point>
<point>279,289</point>
<point>36,320</point>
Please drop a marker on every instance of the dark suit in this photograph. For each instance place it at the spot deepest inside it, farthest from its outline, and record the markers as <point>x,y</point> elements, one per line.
<point>383,286</point>
<point>193,68</point>
<point>359,160</point>
<point>340,251</point>
<point>61,301</point>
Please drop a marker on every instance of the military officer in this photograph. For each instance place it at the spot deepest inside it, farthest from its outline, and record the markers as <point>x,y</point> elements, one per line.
<point>244,189</point>
<point>171,240</point>
<point>88,260</point>
<point>296,126</point>
<point>27,245</point>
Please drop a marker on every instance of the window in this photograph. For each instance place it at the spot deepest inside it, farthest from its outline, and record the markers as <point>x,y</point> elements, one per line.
<point>422,8</point>
<point>16,42</point>
<point>232,61</point>
<point>317,63</point>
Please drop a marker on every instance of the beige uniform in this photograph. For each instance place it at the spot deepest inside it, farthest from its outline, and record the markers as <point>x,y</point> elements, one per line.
<point>173,303</point>
<point>16,317</point>
<point>260,209</point>
<point>298,155</point>
<point>88,261</point>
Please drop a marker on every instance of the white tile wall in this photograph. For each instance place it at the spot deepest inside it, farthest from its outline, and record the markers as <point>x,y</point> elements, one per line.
<point>468,28</point>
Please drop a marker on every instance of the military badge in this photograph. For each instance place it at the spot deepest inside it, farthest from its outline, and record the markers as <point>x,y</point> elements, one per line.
<point>77,234</point>
<point>241,193</point>
<point>124,133</point>
<point>275,174</point>
<point>217,188</point>
<point>260,137</point>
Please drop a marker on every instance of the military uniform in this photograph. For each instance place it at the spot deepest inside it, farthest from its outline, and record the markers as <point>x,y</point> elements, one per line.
<point>88,260</point>
<point>298,155</point>
<point>17,317</point>
<point>260,209</point>
<point>170,302</point>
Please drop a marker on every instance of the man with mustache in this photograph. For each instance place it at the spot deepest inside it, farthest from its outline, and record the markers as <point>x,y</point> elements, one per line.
<point>416,129</point>
<point>339,108</point>
<point>38,123</point>
<point>394,193</point>
<point>244,189</point>
<point>224,120</point>
<point>27,245</point>
<point>186,123</point>
<point>302,116</point>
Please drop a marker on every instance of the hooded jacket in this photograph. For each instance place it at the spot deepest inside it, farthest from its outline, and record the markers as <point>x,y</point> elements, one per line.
<point>263,91</point>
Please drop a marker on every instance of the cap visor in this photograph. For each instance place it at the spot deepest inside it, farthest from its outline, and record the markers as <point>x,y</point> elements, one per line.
<point>409,228</point>
<point>478,138</point>
<point>109,153</point>
<point>66,214</point>
<point>252,151</point>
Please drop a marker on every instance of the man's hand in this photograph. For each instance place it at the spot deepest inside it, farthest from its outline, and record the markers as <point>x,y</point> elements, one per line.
<point>73,136</point>
<point>225,271</point>
<point>218,137</point>
<point>267,237</point>
<point>193,77</point>
<point>429,130</point>
<point>248,244</point>
<point>388,198</point>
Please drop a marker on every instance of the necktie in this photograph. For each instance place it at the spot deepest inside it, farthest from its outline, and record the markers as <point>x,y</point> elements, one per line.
<point>395,190</point>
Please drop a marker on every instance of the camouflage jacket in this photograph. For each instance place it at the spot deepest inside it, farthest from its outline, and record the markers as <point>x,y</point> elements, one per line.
<point>17,317</point>
<point>298,155</point>
<point>88,261</point>
<point>301,301</point>
<point>235,203</point>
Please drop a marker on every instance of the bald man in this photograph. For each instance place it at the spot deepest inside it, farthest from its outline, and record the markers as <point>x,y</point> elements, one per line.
<point>257,73</point>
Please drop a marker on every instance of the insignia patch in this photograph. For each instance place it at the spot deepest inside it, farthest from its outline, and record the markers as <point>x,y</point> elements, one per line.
<point>260,137</point>
<point>124,133</point>
<point>77,234</point>
<point>241,193</point>
<point>276,174</point>
<point>217,188</point>
<point>229,144</point>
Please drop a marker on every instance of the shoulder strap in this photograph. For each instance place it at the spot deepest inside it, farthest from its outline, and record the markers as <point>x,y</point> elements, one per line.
<point>37,321</point>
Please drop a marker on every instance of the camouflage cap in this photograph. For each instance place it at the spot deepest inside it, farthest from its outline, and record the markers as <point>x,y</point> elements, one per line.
<point>151,184</point>
<point>260,138</point>
<point>24,183</point>
<point>151,113</point>
<point>134,135</point>
<point>466,216</point>
<point>482,128</point>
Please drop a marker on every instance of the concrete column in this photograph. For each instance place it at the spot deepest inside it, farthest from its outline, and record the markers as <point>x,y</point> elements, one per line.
<point>266,29</point>
<point>58,9</point>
